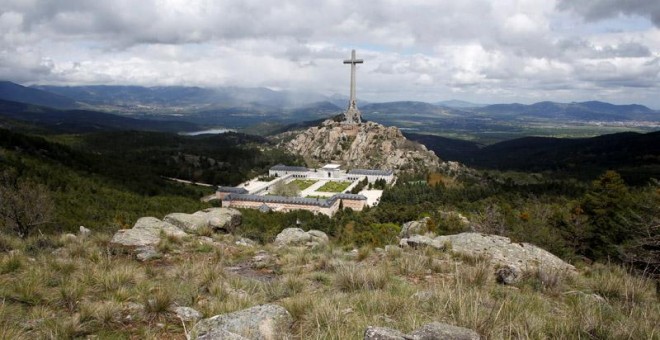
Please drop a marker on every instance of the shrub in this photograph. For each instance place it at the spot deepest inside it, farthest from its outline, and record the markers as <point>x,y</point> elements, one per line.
<point>350,278</point>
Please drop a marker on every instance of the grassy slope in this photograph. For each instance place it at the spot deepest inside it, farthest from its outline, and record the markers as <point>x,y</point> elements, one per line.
<point>330,293</point>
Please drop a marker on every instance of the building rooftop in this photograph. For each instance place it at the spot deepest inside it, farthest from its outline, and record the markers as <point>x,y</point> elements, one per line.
<point>331,167</point>
<point>233,190</point>
<point>367,172</point>
<point>282,167</point>
<point>294,200</point>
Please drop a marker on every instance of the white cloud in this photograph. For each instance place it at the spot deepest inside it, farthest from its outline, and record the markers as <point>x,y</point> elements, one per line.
<point>509,50</point>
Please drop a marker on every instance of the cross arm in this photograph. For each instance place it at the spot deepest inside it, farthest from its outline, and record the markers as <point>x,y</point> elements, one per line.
<point>353,61</point>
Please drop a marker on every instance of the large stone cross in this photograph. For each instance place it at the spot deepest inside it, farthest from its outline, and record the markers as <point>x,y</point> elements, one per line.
<point>352,113</point>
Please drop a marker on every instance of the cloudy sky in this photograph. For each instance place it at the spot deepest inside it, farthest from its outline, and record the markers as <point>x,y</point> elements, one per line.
<point>487,51</point>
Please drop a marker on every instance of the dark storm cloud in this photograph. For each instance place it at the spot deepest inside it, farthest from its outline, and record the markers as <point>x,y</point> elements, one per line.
<point>603,9</point>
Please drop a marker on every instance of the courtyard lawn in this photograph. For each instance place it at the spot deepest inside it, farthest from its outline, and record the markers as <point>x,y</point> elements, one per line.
<point>334,186</point>
<point>304,183</point>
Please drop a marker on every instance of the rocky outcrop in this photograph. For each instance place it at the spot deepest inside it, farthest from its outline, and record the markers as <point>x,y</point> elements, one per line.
<point>299,237</point>
<point>500,250</point>
<point>264,322</point>
<point>365,145</point>
<point>144,236</point>
<point>432,331</point>
<point>145,232</point>
<point>411,228</point>
<point>218,219</point>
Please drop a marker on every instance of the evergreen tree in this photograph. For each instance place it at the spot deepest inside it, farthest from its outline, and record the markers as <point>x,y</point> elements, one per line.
<point>608,205</point>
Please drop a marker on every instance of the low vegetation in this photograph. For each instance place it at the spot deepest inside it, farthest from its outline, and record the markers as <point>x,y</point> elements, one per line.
<point>76,287</point>
<point>304,183</point>
<point>334,186</point>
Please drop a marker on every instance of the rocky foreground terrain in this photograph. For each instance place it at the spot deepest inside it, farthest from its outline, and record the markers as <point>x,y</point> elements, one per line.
<point>189,276</point>
<point>367,145</point>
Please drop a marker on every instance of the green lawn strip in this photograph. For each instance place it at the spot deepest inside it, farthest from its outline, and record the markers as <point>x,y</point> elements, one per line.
<point>304,183</point>
<point>334,186</point>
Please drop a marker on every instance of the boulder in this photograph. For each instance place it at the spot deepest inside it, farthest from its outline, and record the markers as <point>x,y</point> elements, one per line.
<point>188,222</point>
<point>499,249</point>
<point>222,219</point>
<point>508,275</point>
<point>299,237</point>
<point>442,331</point>
<point>146,253</point>
<point>264,322</point>
<point>218,219</point>
<point>382,333</point>
<point>414,228</point>
<point>145,234</point>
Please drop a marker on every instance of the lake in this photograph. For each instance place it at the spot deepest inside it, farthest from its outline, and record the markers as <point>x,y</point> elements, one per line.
<point>206,132</point>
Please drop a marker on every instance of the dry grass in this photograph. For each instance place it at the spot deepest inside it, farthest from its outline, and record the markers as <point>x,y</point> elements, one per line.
<point>87,291</point>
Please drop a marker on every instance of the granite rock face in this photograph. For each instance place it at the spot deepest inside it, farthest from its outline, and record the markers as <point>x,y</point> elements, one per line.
<point>145,233</point>
<point>264,322</point>
<point>499,249</point>
<point>218,219</point>
<point>144,236</point>
<point>367,145</point>
<point>190,223</point>
<point>222,219</point>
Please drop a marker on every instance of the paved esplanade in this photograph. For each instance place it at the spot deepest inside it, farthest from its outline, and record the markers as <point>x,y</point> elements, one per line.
<point>352,113</point>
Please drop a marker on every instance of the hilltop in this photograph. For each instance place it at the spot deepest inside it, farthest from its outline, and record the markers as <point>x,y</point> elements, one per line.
<point>367,145</point>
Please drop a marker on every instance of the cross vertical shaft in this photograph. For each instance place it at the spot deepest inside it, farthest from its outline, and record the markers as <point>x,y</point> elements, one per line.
<point>352,114</point>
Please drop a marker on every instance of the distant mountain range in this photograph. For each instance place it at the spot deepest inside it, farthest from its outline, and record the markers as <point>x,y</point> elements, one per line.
<point>77,121</point>
<point>633,154</point>
<point>13,92</point>
<point>238,108</point>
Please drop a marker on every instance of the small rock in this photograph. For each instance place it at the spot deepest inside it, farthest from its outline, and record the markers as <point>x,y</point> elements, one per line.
<point>68,237</point>
<point>187,313</point>
<point>442,331</point>
<point>84,232</point>
<point>262,259</point>
<point>245,242</point>
<point>205,239</point>
<point>424,295</point>
<point>508,275</point>
<point>146,253</point>
<point>382,333</point>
